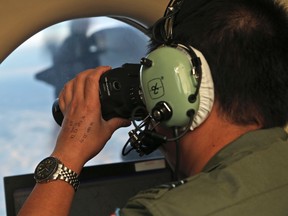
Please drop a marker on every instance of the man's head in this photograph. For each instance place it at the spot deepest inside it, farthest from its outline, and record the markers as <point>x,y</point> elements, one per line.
<point>246,45</point>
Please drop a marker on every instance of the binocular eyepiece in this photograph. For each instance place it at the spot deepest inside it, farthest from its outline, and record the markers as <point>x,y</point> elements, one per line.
<point>120,95</point>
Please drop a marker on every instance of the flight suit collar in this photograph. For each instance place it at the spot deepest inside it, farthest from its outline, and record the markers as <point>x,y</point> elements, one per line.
<point>244,145</point>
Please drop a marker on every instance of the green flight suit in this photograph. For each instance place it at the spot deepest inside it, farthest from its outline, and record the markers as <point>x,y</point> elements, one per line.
<point>247,177</point>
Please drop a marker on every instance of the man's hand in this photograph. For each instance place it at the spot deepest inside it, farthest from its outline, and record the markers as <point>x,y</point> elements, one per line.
<point>84,132</point>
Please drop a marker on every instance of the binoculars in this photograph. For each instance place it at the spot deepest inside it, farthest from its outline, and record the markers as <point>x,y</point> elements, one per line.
<point>120,94</point>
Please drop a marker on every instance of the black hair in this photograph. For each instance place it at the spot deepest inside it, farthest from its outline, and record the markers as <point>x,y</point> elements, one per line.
<point>245,43</point>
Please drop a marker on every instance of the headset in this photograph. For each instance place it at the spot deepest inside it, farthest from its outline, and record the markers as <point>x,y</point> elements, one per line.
<point>177,88</point>
<point>171,87</point>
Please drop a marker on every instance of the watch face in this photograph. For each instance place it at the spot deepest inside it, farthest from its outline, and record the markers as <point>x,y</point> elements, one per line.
<point>45,169</point>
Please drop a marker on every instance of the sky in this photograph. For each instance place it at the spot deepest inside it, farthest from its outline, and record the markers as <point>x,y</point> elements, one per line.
<point>28,131</point>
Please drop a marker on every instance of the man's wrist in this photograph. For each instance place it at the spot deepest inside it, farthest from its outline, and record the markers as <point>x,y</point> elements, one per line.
<point>52,169</point>
<point>72,162</point>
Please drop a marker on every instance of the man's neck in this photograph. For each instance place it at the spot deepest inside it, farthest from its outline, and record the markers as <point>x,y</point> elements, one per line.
<point>200,145</point>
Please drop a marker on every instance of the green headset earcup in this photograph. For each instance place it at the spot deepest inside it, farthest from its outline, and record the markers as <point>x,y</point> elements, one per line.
<point>169,78</point>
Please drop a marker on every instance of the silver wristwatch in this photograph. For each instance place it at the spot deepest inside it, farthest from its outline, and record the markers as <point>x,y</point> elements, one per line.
<point>51,169</point>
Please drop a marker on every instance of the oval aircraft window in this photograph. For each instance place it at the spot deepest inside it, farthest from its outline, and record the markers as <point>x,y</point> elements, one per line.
<point>34,74</point>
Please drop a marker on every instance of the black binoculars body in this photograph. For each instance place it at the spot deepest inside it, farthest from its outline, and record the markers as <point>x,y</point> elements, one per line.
<point>120,94</point>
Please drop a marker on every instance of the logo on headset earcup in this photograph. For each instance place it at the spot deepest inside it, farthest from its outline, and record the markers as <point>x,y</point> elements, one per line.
<point>169,86</point>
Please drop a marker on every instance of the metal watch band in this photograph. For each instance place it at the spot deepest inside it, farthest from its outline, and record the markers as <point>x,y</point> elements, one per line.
<point>67,175</point>
<point>51,169</point>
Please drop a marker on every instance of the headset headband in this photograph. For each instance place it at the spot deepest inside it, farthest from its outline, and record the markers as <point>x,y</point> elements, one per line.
<point>171,10</point>
<point>162,31</point>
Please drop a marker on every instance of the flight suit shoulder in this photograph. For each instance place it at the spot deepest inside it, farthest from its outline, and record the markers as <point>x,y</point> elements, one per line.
<point>159,191</point>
